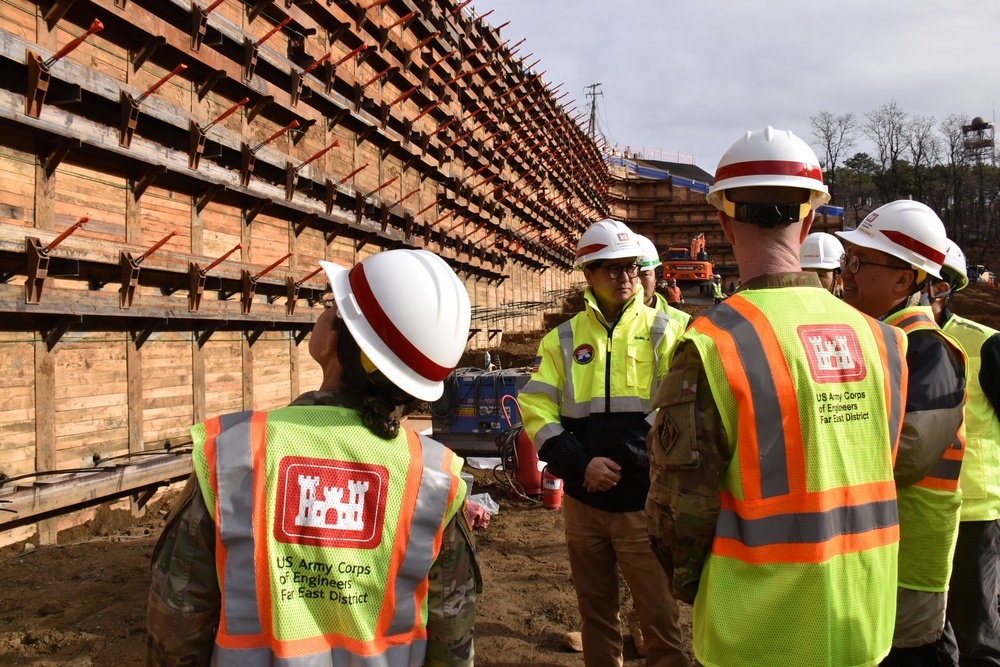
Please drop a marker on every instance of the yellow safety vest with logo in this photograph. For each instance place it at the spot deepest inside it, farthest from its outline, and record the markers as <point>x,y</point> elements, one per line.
<point>325,534</point>
<point>929,509</point>
<point>980,479</point>
<point>806,538</point>
<point>717,290</point>
<point>675,314</point>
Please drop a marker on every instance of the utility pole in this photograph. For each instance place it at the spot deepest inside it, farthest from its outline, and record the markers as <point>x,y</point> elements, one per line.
<point>592,93</point>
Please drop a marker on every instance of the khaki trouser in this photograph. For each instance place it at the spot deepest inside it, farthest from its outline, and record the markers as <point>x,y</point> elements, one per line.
<point>597,541</point>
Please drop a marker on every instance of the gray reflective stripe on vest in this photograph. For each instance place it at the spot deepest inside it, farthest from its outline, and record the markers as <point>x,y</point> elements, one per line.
<point>566,346</point>
<point>432,501</point>
<point>807,527</point>
<point>895,363</point>
<point>763,395</point>
<point>550,430</point>
<point>657,330</point>
<point>538,387</point>
<point>596,405</point>
<point>910,320</point>
<point>235,497</point>
<point>410,655</point>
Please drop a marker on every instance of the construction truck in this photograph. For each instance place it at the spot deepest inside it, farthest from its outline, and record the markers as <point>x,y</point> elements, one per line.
<point>690,266</point>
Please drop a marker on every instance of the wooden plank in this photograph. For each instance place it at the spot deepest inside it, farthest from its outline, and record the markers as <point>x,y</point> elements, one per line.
<point>133,364</point>
<point>248,389</point>
<point>45,441</point>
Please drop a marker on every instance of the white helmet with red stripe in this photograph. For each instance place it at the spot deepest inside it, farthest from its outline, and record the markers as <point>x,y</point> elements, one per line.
<point>606,239</point>
<point>769,157</point>
<point>409,314</point>
<point>905,229</point>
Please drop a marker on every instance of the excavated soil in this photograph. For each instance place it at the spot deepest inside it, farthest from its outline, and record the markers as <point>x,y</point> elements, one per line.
<point>83,602</point>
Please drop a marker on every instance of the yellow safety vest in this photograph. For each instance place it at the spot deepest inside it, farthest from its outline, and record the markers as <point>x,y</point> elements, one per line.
<point>325,534</point>
<point>803,563</point>
<point>980,479</point>
<point>675,314</point>
<point>929,509</point>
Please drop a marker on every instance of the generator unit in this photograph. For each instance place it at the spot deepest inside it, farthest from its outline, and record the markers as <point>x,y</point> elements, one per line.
<point>471,413</point>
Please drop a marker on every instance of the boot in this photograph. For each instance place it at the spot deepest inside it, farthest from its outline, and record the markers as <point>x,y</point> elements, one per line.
<point>573,641</point>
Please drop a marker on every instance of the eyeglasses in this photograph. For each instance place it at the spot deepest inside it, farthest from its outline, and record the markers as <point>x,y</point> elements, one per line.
<point>615,271</point>
<point>854,264</point>
<point>327,301</point>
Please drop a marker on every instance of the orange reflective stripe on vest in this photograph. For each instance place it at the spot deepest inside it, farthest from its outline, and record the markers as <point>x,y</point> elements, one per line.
<point>779,519</point>
<point>234,449</point>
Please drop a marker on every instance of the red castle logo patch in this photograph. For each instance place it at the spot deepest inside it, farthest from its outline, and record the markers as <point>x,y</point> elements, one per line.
<point>834,352</point>
<point>329,503</point>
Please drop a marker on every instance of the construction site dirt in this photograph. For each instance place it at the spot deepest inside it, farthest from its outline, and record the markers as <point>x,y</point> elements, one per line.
<point>83,602</point>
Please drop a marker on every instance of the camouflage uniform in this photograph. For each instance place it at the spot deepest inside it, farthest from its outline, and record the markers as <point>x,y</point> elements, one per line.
<point>184,598</point>
<point>687,457</point>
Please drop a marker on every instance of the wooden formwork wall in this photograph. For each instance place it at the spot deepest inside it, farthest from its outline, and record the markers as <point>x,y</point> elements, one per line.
<point>295,132</point>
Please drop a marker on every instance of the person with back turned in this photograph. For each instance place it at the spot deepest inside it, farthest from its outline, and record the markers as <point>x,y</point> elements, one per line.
<point>321,533</point>
<point>772,505</point>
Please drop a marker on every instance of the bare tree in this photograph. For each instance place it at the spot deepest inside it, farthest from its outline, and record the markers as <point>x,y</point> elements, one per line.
<point>924,149</point>
<point>836,134</point>
<point>886,127</point>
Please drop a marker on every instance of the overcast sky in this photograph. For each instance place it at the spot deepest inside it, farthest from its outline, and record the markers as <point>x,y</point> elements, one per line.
<point>691,77</point>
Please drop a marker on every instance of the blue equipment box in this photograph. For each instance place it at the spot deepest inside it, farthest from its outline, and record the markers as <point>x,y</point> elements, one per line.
<point>473,402</point>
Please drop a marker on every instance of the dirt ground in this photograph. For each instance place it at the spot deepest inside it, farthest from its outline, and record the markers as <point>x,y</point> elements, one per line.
<point>83,601</point>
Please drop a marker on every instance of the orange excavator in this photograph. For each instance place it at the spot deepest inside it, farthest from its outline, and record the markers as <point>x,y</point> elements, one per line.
<point>691,267</point>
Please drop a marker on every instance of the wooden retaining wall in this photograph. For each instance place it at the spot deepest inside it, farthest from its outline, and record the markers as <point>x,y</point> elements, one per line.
<point>436,135</point>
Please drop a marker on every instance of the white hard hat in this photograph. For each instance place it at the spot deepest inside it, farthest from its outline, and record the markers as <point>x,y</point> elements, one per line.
<point>905,229</point>
<point>409,314</point>
<point>606,239</point>
<point>717,276</point>
<point>821,251</point>
<point>650,256</point>
<point>954,261</point>
<point>769,157</point>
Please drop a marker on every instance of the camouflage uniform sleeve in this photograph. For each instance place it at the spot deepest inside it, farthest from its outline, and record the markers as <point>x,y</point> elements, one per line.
<point>688,455</point>
<point>454,582</point>
<point>184,598</point>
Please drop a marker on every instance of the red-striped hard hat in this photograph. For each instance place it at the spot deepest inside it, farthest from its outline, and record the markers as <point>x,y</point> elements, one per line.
<point>409,313</point>
<point>905,229</point>
<point>606,239</point>
<point>773,158</point>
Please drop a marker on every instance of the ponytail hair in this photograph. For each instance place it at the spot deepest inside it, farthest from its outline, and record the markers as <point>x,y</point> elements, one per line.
<point>379,398</point>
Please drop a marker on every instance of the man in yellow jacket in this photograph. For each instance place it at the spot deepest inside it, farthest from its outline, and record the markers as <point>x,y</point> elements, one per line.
<point>889,258</point>
<point>585,408</point>
<point>972,633</point>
